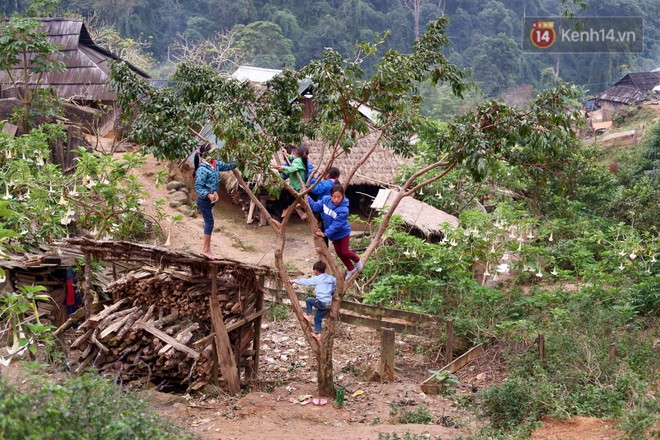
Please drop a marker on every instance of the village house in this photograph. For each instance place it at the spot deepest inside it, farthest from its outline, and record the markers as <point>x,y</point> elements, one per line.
<point>632,89</point>
<point>84,83</point>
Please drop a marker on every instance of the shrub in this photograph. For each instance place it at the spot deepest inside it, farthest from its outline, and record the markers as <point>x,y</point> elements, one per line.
<point>515,402</point>
<point>645,297</point>
<point>85,406</point>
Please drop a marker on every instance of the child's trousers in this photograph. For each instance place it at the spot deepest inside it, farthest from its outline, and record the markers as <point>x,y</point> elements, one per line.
<point>322,309</point>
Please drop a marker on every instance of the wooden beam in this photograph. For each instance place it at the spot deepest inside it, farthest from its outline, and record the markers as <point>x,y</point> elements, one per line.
<point>464,359</point>
<point>364,309</point>
<point>226,360</point>
<point>379,324</point>
<point>167,339</point>
<point>256,345</point>
<point>208,338</point>
<point>432,386</point>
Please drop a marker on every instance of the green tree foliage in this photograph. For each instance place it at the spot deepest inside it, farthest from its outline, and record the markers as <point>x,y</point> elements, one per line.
<point>312,26</point>
<point>264,45</point>
<point>25,57</point>
<point>495,63</point>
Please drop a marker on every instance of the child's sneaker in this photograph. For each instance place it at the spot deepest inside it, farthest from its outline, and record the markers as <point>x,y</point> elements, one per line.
<point>350,273</point>
<point>359,266</point>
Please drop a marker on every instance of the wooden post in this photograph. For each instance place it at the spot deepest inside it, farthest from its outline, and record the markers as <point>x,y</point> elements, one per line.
<point>225,355</point>
<point>256,344</point>
<point>250,216</point>
<point>541,339</point>
<point>87,286</point>
<point>279,287</point>
<point>387,354</point>
<point>449,354</point>
<point>214,371</point>
<point>611,353</point>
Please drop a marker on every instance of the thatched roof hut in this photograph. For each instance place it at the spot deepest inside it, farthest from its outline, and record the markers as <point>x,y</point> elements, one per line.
<point>423,219</point>
<point>87,71</point>
<point>379,170</point>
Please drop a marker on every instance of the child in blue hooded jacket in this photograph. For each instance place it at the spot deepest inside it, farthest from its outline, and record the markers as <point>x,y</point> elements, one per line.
<point>207,180</point>
<point>334,213</point>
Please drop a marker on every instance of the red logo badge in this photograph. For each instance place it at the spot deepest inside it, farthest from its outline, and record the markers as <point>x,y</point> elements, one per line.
<point>543,34</point>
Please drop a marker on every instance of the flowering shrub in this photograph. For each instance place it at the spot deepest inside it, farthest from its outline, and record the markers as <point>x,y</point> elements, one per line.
<point>99,196</point>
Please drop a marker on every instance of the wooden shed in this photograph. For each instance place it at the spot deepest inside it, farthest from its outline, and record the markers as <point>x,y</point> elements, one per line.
<point>156,314</point>
<point>177,318</point>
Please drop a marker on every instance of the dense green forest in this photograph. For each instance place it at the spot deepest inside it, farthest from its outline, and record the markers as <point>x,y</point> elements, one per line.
<point>486,37</point>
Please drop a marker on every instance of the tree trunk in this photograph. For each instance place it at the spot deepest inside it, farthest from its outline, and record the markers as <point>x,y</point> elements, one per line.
<point>325,372</point>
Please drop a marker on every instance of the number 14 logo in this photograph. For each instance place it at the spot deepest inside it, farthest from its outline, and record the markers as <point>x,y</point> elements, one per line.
<point>542,34</point>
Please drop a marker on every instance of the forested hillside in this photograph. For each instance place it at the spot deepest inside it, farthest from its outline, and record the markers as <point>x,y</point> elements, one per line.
<point>486,36</point>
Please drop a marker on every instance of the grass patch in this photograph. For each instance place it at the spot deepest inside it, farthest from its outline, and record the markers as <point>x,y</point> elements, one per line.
<point>419,415</point>
<point>278,311</point>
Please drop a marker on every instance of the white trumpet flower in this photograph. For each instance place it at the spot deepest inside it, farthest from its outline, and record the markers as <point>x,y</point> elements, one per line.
<point>502,268</point>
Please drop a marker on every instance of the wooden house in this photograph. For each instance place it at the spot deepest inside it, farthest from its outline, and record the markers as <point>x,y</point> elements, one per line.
<point>85,80</point>
<point>632,89</point>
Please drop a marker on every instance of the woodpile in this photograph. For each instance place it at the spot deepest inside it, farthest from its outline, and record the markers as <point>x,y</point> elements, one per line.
<point>159,327</point>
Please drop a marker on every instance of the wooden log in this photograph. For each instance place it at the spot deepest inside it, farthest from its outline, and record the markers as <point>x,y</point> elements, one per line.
<point>75,317</point>
<point>96,342</point>
<point>82,338</point>
<point>165,320</point>
<point>102,314</point>
<point>128,325</point>
<point>183,337</point>
<point>256,345</point>
<point>118,321</point>
<point>87,352</point>
<point>166,338</point>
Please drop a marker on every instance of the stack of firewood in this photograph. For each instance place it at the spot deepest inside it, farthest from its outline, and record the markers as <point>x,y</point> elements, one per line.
<point>159,327</point>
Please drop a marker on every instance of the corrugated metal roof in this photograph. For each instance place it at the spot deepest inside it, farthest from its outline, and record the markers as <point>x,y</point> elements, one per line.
<point>255,74</point>
<point>86,73</point>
